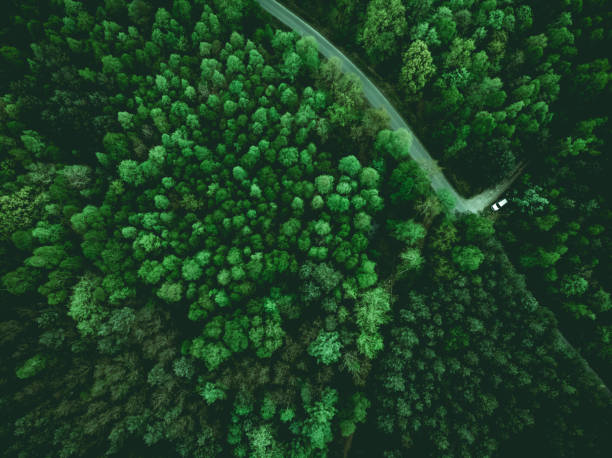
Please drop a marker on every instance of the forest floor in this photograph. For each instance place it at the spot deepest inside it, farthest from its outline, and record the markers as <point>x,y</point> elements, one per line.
<point>377,99</point>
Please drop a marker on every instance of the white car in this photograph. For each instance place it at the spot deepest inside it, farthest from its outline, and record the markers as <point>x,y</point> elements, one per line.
<point>499,204</point>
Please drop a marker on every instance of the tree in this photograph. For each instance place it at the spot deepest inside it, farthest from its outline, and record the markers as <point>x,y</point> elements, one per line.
<point>131,172</point>
<point>407,182</point>
<point>574,285</point>
<point>317,426</point>
<point>234,65</point>
<point>126,120</point>
<point>170,292</point>
<point>326,347</point>
<point>324,183</point>
<point>409,231</point>
<point>362,222</point>
<point>307,49</point>
<point>532,201</point>
<point>288,156</point>
<point>477,228</point>
<point>211,393</point>
<point>86,305</point>
<point>535,45</point>
<point>385,26</point>
<point>417,68</point>
<point>411,259</point>
<point>18,210</point>
<point>111,65</point>
<point>140,12</point>
<point>395,143</point>
<point>23,240</point>
<point>292,65</point>
<point>231,12</point>
<point>78,176</point>
<point>372,308</point>
<point>191,270</point>
<point>356,413</point>
<point>349,165</point>
<point>161,202</point>
<point>236,334</point>
<point>468,258</point>
<point>338,203</point>
<point>213,353</point>
<point>445,24</point>
<point>181,10</point>
<point>266,338</point>
<point>324,274</point>
<point>524,17</point>
<point>483,124</point>
<point>369,344</point>
<point>322,228</point>
<point>374,120</point>
<point>591,78</point>
<point>368,177</point>
<point>371,312</point>
<point>31,367</point>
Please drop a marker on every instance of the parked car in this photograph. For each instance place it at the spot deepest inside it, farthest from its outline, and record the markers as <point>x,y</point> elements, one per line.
<point>499,204</point>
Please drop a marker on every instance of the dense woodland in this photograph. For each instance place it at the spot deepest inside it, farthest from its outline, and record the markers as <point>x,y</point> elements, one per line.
<point>489,85</point>
<point>212,246</point>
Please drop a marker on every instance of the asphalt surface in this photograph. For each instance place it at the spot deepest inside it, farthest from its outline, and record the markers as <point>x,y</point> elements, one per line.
<point>376,98</point>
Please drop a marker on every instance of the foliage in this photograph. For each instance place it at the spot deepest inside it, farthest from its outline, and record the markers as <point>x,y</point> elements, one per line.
<point>212,246</point>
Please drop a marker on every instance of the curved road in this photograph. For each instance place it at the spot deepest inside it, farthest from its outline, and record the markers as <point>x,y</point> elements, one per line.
<point>378,100</point>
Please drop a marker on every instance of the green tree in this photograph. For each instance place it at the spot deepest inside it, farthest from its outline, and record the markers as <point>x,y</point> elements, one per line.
<point>18,210</point>
<point>324,183</point>
<point>395,143</point>
<point>468,258</point>
<point>409,231</point>
<point>411,259</point>
<point>356,413</point>
<point>86,305</point>
<point>385,26</point>
<point>191,270</point>
<point>574,285</point>
<point>213,353</point>
<point>478,228</point>
<point>349,165</point>
<point>417,68</point>
<point>131,172</point>
<point>445,24</point>
<point>211,393</point>
<point>369,177</point>
<point>307,49</point>
<point>170,292</point>
<point>31,367</point>
<point>317,426</point>
<point>326,347</point>
<point>371,311</point>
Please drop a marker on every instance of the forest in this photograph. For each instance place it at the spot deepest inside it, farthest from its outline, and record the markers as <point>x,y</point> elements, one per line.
<point>212,246</point>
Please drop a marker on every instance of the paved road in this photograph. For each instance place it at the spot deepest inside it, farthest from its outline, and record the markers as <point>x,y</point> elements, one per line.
<point>378,100</point>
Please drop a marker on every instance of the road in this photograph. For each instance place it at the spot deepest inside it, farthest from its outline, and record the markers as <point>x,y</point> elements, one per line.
<point>376,98</point>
